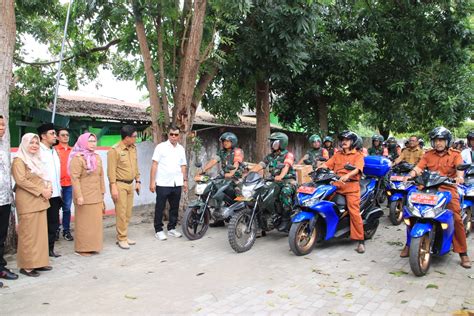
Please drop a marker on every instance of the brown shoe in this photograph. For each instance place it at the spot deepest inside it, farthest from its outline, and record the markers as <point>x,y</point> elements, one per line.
<point>405,252</point>
<point>360,248</point>
<point>131,242</point>
<point>465,262</point>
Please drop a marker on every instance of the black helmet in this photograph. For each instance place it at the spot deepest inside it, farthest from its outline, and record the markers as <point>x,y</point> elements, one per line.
<point>349,135</point>
<point>469,136</point>
<point>441,133</point>
<point>375,137</point>
<point>421,142</point>
<point>230,137</point>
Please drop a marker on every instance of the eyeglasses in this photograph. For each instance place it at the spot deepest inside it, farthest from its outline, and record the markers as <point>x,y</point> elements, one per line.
<point>64,135</point>
<point>174,134</point>
<point>52,133</point>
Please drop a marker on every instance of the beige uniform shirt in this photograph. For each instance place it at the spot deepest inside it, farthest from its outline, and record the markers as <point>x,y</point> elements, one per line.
<point>122,163</point>
<point>412,156</point>
<point>28,189</point>
<point>88,185</point>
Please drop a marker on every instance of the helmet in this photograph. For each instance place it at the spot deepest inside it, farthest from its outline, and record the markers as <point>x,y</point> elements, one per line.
<point>282,138</point>
<point>314,138</point>
<point>349,135</point>
<point>470,136</point>
<point>328,139</point>
<point>441,133</point>
<point>391,140</point>
<point>378,137</point>
<point>421,142</point>
<point>359,144</point>
<point>231,137</point>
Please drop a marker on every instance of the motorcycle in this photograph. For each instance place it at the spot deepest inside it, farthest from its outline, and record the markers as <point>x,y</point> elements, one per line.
<point>397,191</point>
<point>430,224</point>
<point>467,202</point>
<point>257,209</point>
<point>213,194</point>
<point>321,215</point>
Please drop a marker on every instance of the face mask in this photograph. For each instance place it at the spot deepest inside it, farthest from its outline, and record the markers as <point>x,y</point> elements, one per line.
<point>276,145</point>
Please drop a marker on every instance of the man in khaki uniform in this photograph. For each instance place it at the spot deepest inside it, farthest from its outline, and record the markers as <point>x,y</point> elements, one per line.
<point>122,170</point>
<point>412,154</point>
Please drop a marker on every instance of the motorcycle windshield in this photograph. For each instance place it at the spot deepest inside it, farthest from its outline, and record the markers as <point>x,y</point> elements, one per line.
<point>252,177</point>
<point>431,179</point>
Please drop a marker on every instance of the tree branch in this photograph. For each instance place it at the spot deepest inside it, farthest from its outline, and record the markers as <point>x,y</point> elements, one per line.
<point>82,54</point>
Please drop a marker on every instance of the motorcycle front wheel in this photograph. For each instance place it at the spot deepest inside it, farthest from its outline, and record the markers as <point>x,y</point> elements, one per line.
<point>240,239</point>
<point>396,212</point>
<point>193,226</point>
<point>300,240</point>
<point>420,254</point>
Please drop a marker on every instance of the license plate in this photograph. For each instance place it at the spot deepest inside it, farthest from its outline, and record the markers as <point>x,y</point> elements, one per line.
<point>398,178</point>
<point>242,199</point>
<point>422,198</point>
<point>306,190</point>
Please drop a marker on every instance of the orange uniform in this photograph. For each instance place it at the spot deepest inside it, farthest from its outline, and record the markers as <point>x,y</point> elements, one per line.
<point>350,190</point>
<point>445,163</point>
<point>63,153</point>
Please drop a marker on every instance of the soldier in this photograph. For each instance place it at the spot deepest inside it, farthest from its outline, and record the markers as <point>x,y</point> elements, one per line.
<point>328,144</point>
<point>122,171</point>
<point>229,155</point>
<point>315,152</point>
<point>394,149</point>
<point>284,176</point>
<point>377,148</point>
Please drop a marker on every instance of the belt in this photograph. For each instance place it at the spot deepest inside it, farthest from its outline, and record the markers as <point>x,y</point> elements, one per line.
<point>125,181</point>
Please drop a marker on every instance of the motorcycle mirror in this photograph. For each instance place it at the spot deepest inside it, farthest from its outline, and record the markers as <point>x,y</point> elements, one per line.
<point>198,164</point>
<point>349,167</point>
<point>463,166</point>
<point>307,162</point>
<point>322,159</point>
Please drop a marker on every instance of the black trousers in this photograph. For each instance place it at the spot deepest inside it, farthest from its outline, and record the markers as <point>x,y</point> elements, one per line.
<point>53,220</point>
<point>4,221</point>
<point>173,196</point>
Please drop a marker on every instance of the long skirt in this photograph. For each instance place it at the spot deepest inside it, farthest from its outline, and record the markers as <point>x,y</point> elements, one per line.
<point>33,251</point>
<point>88,227</point>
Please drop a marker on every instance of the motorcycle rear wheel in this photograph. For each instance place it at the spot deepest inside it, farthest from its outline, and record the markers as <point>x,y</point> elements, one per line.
<point>192,228</point>
<point>420,254</point>
<point>396,212</point>
<point>239,239</point>
<point>301,243</point>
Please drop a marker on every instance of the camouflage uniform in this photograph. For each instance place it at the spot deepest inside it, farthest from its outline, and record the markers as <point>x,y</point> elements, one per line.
<point>376,151</point>
<point>228,158</point>
<point>314,155</point>
<point>288,185</point>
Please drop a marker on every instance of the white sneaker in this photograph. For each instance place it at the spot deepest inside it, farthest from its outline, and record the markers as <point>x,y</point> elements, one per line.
<point>174,233</point>
<point>161,235</point>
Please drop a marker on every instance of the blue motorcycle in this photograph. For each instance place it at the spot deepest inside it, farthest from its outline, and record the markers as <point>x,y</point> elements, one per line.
<point>430,224</point>
<point>467,202</point>
<point>322,215</point>
<point>397,191</point>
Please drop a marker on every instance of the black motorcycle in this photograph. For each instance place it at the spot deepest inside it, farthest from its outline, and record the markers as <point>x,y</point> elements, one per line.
<point>257,209</point>
<point>213,195</point>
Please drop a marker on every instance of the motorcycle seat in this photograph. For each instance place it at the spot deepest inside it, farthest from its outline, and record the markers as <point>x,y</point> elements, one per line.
<point>363,186</point>
<point>340,201</point>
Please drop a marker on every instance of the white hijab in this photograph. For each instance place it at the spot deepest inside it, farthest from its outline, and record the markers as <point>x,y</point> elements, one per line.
<point>33,161</point>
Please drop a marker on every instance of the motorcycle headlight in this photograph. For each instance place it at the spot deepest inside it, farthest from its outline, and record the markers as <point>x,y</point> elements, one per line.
<point>429,213</point>
<point>200,188</point>
<point>312,201</point>
<point>248,190</point>
<point>413,210</point>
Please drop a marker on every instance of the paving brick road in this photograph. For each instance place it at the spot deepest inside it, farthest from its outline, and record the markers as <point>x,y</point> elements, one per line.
<point>205,277</point>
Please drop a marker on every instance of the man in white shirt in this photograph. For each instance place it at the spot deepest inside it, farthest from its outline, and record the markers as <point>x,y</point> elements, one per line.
<point>468,153</point>
<point>168,176</point>
<point>50,159</point>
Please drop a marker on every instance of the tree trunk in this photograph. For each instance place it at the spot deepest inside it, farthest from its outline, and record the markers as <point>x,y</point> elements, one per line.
<point>188,70</point>
<point>263,119</point>
<point>161,57</point>
<point>156,120</point>
<point>323,114</point>
<point>7,38</point>
<point>385,132</point>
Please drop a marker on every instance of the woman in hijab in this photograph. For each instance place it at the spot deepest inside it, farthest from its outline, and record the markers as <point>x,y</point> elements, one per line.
<point>87,177</point>
<point>32,192</point>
